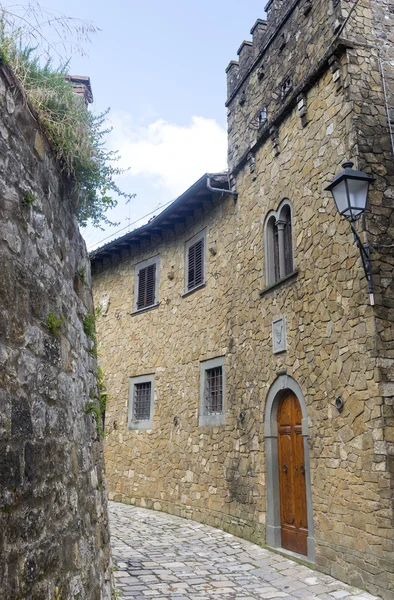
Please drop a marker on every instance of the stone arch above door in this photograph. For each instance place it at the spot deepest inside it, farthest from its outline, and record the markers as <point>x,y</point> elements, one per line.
<point>281,385</point>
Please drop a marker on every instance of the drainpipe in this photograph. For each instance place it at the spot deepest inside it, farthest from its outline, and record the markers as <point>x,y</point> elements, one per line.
<point>215,190</point>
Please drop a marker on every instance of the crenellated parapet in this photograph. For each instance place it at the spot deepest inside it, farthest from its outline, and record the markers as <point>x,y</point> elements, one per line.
<point>273,68</point>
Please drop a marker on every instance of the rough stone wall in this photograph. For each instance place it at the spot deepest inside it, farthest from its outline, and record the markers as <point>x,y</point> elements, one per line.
<point>194,471</point>
<point>53,513</point>
<point>218,474</point>
<point>364,553</point>
<point>337,344</point>
<point>331,344</point>
<point>370,77</point>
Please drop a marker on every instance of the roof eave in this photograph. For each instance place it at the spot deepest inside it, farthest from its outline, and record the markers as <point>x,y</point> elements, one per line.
<point>169,214</point>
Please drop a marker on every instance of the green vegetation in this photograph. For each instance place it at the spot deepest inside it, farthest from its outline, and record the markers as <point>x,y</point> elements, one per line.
<point>77,137</point>
<point>102,392</point>
<point>89,326</point>
<point>82,275</point>
<point>28,200</point>
<point>54,323</point>
<point>98,404</point>
<point>92,409</point>
<point>117,595</point>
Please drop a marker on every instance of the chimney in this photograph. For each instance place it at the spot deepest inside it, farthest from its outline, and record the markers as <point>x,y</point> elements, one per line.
<point>232,77</point>
<point>81,87</point>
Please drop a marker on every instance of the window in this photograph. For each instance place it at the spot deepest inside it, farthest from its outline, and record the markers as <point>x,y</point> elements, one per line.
<point>212,392</point>
<point>141,400</point>
<point>285,217</point>
<point>287,84</point>
<point>279,244</point>
<point>262,117</point>
<point>195,262</point>
<point>146,283</point>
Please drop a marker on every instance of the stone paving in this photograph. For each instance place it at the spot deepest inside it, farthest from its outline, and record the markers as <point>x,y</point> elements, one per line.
<point>166,557</point>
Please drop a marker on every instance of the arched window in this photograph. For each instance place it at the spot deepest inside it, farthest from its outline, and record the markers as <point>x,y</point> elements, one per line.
<point>278,244</point>
<point>271,251</point>
<point>285,218</point>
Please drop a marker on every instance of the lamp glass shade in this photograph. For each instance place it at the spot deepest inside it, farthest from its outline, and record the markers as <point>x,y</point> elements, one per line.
<point>350,196</point>
<point>350,192</point>
<point>358,194</point>
<point>339,193</point>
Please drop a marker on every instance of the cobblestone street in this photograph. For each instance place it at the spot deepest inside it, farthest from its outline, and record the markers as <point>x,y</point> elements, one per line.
<point>163,556</point>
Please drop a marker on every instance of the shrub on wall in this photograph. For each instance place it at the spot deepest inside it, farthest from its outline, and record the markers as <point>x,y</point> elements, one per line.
<point>76,135</point>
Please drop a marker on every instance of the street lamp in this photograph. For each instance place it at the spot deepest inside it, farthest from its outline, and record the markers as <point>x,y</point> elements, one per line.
<point>350,192</point>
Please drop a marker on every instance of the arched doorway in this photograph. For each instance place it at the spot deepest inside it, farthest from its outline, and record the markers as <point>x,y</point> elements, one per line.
<point>289,497</point>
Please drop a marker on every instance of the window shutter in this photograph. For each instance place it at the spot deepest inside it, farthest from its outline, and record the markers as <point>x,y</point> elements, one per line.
<point>199,262</point>
<point>191,268</point>
<point>146,286</point>
<point>150,285</point>
<point>141,287</point>
<point>195,264</point>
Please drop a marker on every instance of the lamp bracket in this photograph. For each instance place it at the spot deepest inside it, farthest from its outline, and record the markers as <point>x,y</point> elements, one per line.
<point>366,260</point>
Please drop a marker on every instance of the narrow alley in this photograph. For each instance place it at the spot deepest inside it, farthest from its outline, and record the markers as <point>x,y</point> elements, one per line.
<point>157,555</point>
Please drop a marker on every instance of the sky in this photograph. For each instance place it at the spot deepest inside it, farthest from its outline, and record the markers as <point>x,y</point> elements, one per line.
<point>160,67</point>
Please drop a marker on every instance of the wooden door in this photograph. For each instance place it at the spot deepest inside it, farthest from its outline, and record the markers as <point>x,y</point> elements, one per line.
<point>294,522</point>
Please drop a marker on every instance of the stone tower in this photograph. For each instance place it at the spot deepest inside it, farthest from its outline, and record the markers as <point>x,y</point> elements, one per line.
<point>315,87</point>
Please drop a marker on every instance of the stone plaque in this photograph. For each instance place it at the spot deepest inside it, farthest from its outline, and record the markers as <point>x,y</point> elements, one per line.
<point>279,335</point>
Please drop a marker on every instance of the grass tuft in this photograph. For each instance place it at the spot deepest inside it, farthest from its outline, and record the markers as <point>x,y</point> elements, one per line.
<point>89,326</point>
<point>54,323</point>
<point>28,200</point>
<point>77,136</point>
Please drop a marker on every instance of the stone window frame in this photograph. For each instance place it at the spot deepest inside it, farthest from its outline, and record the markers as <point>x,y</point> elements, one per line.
<point>278,246</point>
<point>201,235</point>
<point>132,423</point>
<point>206,418</point>
<point>137,268</point>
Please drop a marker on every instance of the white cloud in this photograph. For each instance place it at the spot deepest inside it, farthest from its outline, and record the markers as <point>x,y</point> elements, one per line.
<point>171,156</point>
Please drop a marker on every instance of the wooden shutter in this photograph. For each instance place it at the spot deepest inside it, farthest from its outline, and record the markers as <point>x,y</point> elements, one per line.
<point>146,286</point>
<point>195,264</point>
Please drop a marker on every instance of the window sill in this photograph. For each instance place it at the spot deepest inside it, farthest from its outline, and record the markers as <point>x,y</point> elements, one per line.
<point>146,309</point>
<point>140,425</point>
<point>212,420</point>
<point>198,287</point>
<point>279,283</point>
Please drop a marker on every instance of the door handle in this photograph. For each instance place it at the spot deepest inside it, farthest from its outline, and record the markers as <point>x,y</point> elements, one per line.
<point>302,469</point>
<point>284,468</point>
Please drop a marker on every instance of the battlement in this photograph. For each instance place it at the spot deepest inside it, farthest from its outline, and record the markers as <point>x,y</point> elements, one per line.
<point>284,51</point>
<point>264,34</point>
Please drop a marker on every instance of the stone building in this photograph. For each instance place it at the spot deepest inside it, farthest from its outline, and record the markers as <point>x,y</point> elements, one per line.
<point>251,378</point>
<point>54,535</point>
